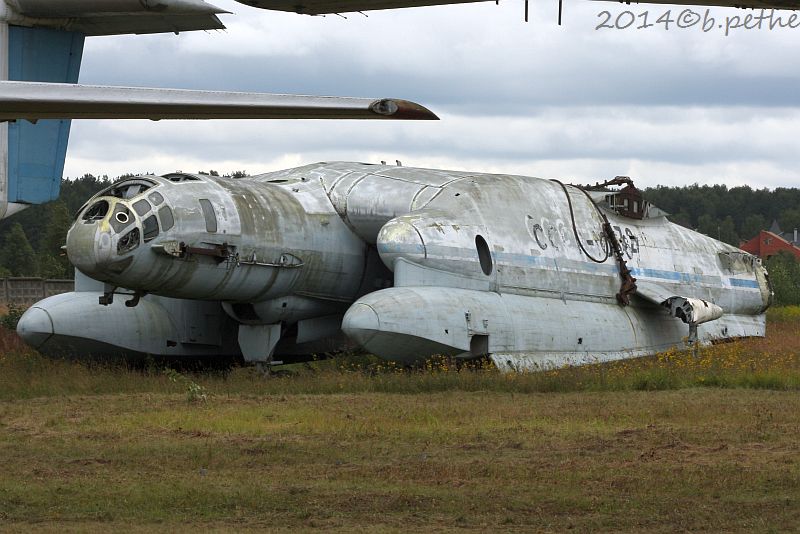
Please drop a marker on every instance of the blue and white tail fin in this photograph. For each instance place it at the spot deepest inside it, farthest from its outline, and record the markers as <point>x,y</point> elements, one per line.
<point>34,153</point>
<point>42,41</point>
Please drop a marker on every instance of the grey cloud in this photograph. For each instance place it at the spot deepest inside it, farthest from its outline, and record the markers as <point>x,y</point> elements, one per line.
<point>509,69</point>
<point>696,137</point>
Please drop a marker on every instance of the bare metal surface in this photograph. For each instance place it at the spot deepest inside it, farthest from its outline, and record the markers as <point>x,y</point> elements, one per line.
<point>393,255</point>
<point>113,17</point>
<point>693,311</point>
<point>317,7</point>
<point>34,101</point>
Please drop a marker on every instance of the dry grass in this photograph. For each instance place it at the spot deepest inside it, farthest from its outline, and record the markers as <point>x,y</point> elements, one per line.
<point>772,363</point>
<point>659,461</point>
<point>359,445</point>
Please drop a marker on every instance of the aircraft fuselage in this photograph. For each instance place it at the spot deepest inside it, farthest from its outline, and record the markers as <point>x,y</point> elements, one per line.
<point>478,264</point>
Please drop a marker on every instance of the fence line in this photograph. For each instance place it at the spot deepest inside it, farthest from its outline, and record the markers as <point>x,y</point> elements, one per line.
<point>26,291</point>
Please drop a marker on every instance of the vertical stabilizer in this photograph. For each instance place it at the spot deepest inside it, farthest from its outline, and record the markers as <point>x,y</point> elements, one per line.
<point>4,125</point>
<point>36,152</point>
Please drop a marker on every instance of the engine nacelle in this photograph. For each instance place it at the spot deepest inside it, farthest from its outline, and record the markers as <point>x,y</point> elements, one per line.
<point>693,311</point>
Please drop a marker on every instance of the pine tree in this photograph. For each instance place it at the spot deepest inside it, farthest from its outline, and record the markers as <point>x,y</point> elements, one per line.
<point>17,254</point>
<point>52,262</point>
<point>784,274</point>
<point>752,225</point>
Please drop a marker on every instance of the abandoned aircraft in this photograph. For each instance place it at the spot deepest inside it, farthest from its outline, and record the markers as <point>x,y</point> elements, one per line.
<point>406,262</point>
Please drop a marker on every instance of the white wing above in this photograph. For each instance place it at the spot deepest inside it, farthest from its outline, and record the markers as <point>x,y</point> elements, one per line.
<point>320,7</point>
<point>111,17</point>
<point>35,101</point>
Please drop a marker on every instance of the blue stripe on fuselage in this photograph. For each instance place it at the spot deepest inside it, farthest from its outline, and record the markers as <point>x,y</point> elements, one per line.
<point>523,260</point>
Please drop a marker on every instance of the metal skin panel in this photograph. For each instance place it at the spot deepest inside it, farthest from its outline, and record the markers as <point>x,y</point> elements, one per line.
<point>36,101</point>
<point>74,324</point>
<point>529,333</point>
<point>535,251</point>
<point>275,246</point>
<point>318,7</point>
<point>113,17</point>
<point>370,195</point>
<point>293,247</point>
<point>36,152</point>
<point>258,341</point>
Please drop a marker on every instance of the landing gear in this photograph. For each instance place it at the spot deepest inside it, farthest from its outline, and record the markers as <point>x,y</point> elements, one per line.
<point>107,298</point>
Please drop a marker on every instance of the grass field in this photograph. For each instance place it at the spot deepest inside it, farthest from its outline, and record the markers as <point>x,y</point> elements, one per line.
<point>675,442</point>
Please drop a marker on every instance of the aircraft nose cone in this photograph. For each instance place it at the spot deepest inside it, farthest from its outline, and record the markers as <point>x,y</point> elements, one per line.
<point>361,323</point>
<point>35,327</point>
<point>89,248</point>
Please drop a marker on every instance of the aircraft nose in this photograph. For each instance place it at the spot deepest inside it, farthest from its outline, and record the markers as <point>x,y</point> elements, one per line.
<point>89,248</point>
<point>35,327</point>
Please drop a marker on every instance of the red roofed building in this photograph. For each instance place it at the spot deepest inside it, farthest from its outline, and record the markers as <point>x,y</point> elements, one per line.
<point>767,244</point>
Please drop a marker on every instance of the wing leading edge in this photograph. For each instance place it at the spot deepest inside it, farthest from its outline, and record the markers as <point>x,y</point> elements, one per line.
<point>323,7</point>
<point>35,101</point>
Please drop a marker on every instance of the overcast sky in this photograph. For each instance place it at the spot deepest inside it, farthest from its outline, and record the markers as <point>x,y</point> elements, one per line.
<point>669,107</point>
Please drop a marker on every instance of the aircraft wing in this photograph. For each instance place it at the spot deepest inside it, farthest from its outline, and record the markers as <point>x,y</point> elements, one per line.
<point>34,101</point>
<point>653,292</point>
<point>321,7</point>
<point>755,4</point>
<point>111,17</point>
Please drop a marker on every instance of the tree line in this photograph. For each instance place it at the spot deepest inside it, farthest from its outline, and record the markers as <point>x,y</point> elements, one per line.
<point>731,215</point>
<point>30,241</point>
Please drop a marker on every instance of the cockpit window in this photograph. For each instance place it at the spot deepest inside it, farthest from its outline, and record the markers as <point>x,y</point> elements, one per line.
<point>141,206</point>
<point>121,219</point>
<point>128,242</point>
<point>96,212</point>
<point>128,188</point>
<point>210,216</point>
<point>156,198</point>
<point>167,219</point>
<point>150,227</point>
<point>179,177</point>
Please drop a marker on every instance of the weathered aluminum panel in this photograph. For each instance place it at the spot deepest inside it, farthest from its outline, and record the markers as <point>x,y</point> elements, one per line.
<point>368,196</point>
<point>34,101</point>
<point>535,251</point>
<point>409,323</point>
<point>491,263</point>
<point>75,324</point>
<point>260,226</point>
<point>318,7</point>
<point>113,17</point>
<point>258,341</point>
